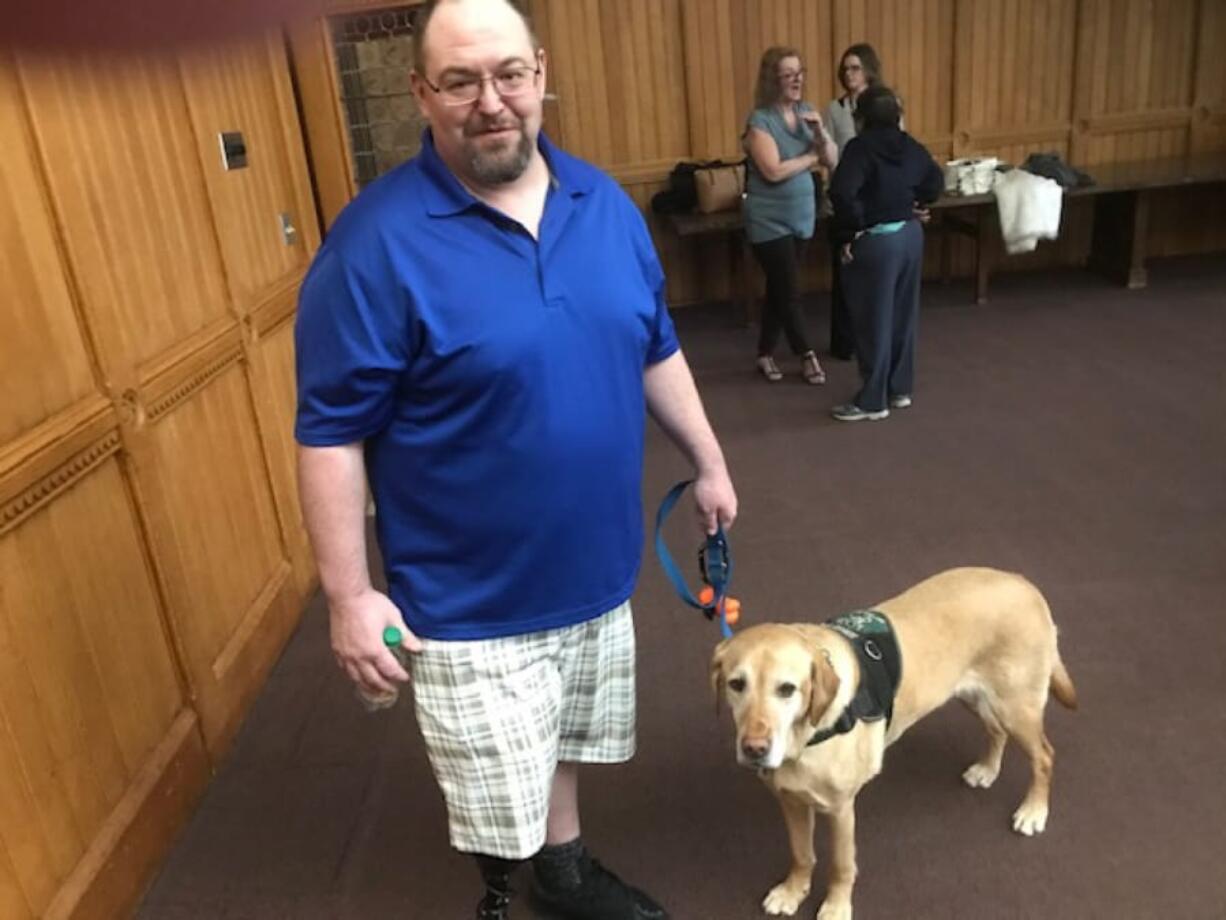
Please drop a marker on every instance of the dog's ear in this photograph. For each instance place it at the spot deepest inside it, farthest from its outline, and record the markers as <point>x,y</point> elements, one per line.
<point>717,673</point>
<point>823,685</point>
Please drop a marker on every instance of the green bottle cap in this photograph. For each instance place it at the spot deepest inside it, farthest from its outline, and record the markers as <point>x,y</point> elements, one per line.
<point>392,637</point>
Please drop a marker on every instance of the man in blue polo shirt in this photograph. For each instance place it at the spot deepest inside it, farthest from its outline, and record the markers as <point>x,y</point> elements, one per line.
<point>479,337</point>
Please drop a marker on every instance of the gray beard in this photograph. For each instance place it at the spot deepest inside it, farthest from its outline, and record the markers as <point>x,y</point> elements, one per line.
<point>502,167</point>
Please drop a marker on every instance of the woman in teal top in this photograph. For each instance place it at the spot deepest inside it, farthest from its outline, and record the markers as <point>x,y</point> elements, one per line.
<point>784,139</point>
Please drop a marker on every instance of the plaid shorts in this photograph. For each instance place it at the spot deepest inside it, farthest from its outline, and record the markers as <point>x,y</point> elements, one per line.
<point>498,715</point>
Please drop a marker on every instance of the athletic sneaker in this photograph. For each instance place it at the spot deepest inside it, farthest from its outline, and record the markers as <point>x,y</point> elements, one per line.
<point>853,413</point>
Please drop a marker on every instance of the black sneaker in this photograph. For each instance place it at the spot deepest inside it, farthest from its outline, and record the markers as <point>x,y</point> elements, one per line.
<point>601,895</point>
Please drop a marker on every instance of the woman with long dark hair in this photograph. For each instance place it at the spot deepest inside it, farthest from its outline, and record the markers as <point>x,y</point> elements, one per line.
<point>785,140</point>
<point>859,68</point>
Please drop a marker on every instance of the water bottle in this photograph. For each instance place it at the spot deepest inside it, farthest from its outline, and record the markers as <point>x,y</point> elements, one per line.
<point>373,702</point>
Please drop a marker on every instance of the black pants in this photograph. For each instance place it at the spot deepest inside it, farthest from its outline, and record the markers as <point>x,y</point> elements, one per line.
<point>842,332</point>
<point>882,284</point>
<point>780,261</point>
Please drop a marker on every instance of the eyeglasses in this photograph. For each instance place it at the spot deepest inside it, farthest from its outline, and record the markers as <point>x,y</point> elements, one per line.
<point>465,89</point>
<point>851,68</point>
<point>789,76</point>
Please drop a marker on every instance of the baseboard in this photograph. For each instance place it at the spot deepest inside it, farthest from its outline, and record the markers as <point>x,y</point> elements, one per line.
<point>125,854</point>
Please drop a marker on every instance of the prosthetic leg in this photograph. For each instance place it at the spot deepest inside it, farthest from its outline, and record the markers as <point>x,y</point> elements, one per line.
<point>496,874</point>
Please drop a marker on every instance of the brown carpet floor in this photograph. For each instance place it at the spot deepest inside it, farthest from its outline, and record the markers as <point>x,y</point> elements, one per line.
<point>1069,430</point>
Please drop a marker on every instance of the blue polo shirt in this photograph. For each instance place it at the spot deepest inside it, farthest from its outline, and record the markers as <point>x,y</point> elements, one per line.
<point>497,384</point>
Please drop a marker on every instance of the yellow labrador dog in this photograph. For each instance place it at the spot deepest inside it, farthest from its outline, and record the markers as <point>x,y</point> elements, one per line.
<point>978,634</point>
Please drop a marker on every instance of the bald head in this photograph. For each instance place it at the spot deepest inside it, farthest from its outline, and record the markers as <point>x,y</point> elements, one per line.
<point>480,82</point>
<point>466,17</point>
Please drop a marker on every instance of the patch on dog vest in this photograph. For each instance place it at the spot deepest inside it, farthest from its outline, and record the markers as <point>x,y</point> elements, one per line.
<point>876,647</point>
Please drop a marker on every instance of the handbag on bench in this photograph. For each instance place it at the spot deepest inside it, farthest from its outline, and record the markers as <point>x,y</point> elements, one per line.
<point>720,186</point>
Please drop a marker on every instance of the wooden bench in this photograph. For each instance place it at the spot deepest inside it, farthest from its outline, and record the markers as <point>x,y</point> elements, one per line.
<point>1121,193</point>
<point>729,224</point>
<point>1121,218</point>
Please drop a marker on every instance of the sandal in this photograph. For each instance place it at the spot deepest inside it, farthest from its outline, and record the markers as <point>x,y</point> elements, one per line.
<point>812,369</point>
<point>769,369</point>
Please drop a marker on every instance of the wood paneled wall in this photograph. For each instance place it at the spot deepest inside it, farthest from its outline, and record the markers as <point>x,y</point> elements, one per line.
<point>644,83</point>
<point>152,557</point>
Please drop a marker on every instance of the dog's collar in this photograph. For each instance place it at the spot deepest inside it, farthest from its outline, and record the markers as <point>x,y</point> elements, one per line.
<point>876,646</point>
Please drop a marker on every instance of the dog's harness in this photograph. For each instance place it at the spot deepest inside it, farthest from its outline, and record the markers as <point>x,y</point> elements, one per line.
<point>876,647</point>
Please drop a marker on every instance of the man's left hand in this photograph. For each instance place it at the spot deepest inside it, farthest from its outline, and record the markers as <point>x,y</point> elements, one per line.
<point>715,499</point>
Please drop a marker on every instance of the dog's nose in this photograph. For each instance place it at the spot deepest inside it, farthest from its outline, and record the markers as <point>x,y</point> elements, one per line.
<point>755,749</point>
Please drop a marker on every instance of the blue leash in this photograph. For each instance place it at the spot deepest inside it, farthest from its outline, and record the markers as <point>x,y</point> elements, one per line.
<point>714,560</point>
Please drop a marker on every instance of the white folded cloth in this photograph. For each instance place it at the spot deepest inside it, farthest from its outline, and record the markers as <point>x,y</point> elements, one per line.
<point>1029,208</point>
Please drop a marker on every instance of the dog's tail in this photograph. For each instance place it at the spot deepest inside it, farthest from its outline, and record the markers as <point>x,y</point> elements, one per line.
<point>1062,685</point>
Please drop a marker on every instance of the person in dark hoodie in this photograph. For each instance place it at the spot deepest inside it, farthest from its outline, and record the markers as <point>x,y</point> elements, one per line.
<point>883,177</point>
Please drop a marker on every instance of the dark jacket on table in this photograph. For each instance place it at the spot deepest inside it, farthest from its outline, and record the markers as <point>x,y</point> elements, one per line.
<point>882,175</point>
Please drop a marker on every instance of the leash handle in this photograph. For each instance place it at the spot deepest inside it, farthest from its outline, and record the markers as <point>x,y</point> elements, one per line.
<point>714,555</point>
<point>666,559</point>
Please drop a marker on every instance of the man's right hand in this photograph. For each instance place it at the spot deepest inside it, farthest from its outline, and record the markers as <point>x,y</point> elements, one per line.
<point>357,626</point>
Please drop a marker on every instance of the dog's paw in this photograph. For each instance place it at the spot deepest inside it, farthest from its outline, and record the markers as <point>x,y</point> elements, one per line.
<point>1030,819</point>
<point>784,899</point>
<point>839,911</point>
<point>980,776</point>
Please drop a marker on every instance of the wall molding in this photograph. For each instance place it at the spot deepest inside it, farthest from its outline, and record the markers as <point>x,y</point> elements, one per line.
<point>48,487</point>
<point>1214,116</point>
<point>942,140</point>
<point>171,387</point>
<point>48,460</point>
<point>239,640</point>
<point>646,173</point>
<point>1006,137</point>
<point>1121,122</point>
<point>109,877</point>
<point>278,306</point>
